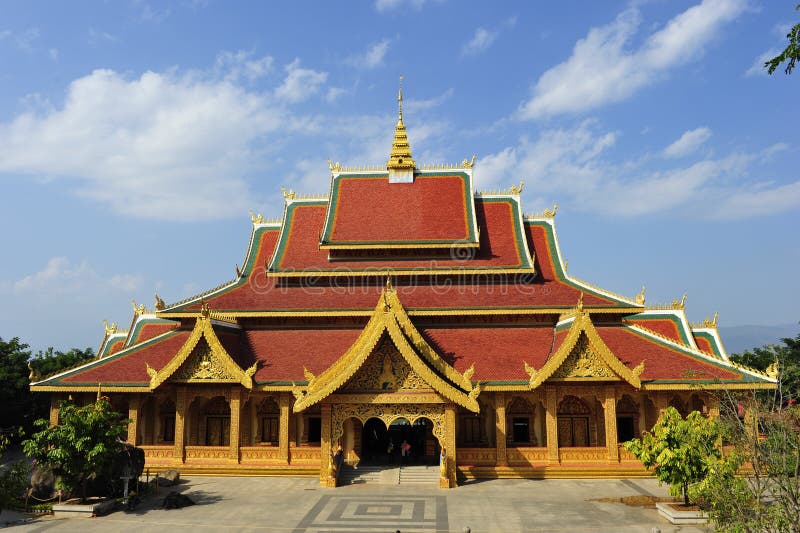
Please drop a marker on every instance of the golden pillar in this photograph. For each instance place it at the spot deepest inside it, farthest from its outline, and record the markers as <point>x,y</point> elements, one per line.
<point>55,398</point>
<point>236,412</point>
<point>180,424</point>
<point>285,403</point>
<point>551,422</point>
<point>610,416</point>
<point>133,414</point>
<point>325,447</point>
<point>500,428</point>
<point>450,444</point>
<point>642,413</point>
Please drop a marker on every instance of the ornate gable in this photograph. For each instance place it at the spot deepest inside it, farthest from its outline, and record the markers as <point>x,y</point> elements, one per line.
<point>390,354</point>
<point>583,356</point>
<point>385,370</point>
<point>583,362</point>
<point>202,358</point>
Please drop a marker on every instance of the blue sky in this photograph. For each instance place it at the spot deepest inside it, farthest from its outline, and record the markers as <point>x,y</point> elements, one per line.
<point>135,136</point>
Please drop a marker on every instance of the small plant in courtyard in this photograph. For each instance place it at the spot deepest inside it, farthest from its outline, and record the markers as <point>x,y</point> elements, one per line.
<point>82,446</point>
<point>678,450</point>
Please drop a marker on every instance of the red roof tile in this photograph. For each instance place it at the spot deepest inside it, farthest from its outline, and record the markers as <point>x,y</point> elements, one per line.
<point>661,361</point>
<point>300,248</point>
<point>129,366</point>
<point>663,326</point>
<point>497,352</point>
<point>703,344</point>
<point>369,209</point>
<point>283,353</point>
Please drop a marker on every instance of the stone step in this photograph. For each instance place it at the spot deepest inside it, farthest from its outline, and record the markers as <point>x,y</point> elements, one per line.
<point>419,475</point>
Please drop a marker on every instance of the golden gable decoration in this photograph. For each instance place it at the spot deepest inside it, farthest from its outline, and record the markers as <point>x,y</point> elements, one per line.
<point>390,322</point>
<point>202,358</point>
<point>584,356</point>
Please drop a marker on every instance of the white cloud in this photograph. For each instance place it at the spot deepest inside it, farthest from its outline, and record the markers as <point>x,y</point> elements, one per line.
<point>22,40</point>
<point>757,68</point>
<point>754,202</point>
<point>388,5</point>
<point>241,65</point>
<point>604,68</point>
<point>59,274</point>
<point>163,146</point>
<point>575,166</point>
<point>372,58</point>
<point>481,40</point>
<point>62,276</point>
<point>334,93</point>
<point>53,53</point>
<point>688,142</point>
<point>96,37</point>
<point>300,83</point>
<point>419,105</point>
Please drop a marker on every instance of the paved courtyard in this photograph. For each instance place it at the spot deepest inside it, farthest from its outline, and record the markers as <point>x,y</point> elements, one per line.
<point>299,505</point>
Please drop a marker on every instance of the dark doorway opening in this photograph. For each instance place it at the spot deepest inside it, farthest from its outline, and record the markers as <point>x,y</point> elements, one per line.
<point>625,428</point>
<point>384,446</point>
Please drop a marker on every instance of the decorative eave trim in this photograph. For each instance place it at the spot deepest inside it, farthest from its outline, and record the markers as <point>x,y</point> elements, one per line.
<point>380,272</point>
<point>715,340</point>
<point>390,317</point>
<point>443,245</point>
<point>583,325</point>
<point>697,353</point>
<point>86,388</point>
<point>561,270</point>
<point>203,328</point>
<point>256,235</point>
<point>313,313</point>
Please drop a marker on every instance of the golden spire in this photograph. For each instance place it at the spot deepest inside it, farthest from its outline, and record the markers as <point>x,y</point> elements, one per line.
<point>400,157</point>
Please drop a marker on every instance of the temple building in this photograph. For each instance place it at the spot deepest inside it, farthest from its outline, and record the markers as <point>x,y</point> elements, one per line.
<point>404,308</point>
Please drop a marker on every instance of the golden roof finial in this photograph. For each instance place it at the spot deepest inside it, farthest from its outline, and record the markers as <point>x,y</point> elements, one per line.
<point>640,296</point>
<point>580,302</point>
<point>400,156</point>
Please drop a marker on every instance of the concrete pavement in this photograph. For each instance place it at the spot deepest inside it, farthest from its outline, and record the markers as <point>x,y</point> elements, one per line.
<point>300,505</point>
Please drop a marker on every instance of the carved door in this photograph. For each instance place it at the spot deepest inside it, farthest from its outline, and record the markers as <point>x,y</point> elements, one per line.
<point>573,431</point>
<point>218,430</point>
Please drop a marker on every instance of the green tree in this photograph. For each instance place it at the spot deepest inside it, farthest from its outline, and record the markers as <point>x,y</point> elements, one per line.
<point>678,450</point>
<point>788,357</point>
<point>791,54</point>
<point>50,361</point>
<point>15,396</point>
<point>83,444</point>
<point>767,497</point>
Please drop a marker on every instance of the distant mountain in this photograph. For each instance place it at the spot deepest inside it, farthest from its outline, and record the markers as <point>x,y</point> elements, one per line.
<point>740,338</point>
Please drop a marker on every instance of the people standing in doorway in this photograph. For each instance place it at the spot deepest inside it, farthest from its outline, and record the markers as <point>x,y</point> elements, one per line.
<point>405,452</point>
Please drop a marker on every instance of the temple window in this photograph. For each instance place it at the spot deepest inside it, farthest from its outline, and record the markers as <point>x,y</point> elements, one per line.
<point>519,421</point>
<point>471,431</point>
<point>268,414</point>
<point>168,429</point>
<point>314,429</point>
<point>627,419</point>
<point>678,404</point>
<point>166,413</point>
<point>573,422</point>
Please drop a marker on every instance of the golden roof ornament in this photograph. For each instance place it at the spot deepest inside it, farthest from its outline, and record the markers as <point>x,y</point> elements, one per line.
<point>288,194</point>
<point>110,330</point>
<point>256,219</point>
<point>160,305</point>
<point>550,213</point>
<point>205,310</point>
<point>400,156</point>
<point>773,370</point>
<point>710,322</point>
<point>467,163</point>
<point>514,189</point>
<point>138,309</point>
<point>679,304</point>
<point>640,296</point>
<point>580,303</point>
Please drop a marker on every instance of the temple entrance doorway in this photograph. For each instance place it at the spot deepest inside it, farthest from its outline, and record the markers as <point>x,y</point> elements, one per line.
<point>385,446</point>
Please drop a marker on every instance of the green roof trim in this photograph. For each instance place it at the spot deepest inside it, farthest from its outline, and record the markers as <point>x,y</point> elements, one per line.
<point>247,269</point>
<point>664,316</point>
<point>746,377</point>
<point>558,265</point>
<point>57,379</point>
<point>711,340</point>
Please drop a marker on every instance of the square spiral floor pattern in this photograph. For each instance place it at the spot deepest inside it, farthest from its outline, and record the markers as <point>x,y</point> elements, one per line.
<point>375,514</point>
